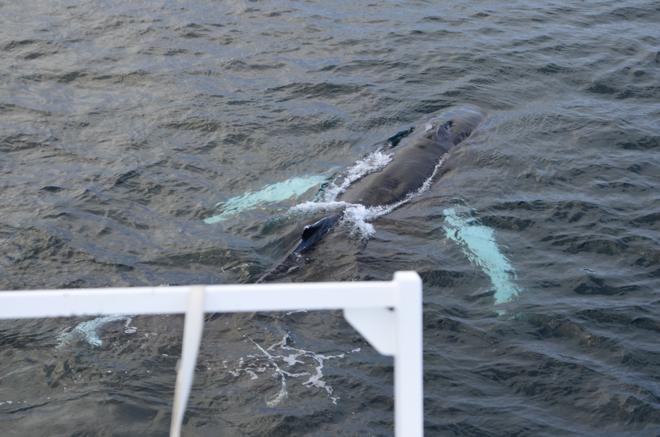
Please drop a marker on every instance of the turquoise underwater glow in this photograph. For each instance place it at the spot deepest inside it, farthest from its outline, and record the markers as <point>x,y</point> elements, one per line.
<point>478,244</point>
<point>89,330</point>
<point>272,193</point>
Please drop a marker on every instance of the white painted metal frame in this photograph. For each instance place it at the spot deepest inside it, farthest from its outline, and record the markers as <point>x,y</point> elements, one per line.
<point>387,314</point>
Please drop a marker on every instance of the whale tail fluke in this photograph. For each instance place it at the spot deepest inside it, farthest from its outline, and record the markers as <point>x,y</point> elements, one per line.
<point>311,234</point>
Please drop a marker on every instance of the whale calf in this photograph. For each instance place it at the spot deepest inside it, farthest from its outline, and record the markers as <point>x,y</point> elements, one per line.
<point>416,154</point>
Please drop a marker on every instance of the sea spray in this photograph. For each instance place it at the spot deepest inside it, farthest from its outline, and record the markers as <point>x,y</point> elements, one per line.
<point>371,163</point>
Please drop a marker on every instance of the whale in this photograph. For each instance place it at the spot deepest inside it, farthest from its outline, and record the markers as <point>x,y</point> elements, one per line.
<point>416,153</point>
<point>415,159</point>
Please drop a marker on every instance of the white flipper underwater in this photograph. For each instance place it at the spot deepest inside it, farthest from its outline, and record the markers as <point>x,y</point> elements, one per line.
<point>478,243</point>
<point>271,193</point>
<point>90,330</point>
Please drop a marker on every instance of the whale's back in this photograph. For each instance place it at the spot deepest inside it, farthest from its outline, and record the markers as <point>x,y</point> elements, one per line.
<point>415,159</point>
<point>411,166</point>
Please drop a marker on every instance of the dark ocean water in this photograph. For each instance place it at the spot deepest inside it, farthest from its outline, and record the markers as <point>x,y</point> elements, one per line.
<point>122,124</point>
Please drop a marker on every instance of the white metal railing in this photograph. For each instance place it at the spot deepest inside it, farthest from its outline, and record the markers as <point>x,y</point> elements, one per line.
<point>388,314</point>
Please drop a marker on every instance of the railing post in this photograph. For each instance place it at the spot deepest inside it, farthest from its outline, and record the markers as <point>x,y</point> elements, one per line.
<point>192,337</point>
<point>408,376</point>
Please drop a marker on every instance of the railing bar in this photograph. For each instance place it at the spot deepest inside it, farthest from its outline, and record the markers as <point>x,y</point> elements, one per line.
<point>403,294</point>
<point>236,288</point>
<point>61,303</point>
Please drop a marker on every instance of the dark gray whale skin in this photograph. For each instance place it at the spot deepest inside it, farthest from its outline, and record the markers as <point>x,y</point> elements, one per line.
<point>415,157</point>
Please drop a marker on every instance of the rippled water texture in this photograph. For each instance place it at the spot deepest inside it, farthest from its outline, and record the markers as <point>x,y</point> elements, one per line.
<point>124,125</point>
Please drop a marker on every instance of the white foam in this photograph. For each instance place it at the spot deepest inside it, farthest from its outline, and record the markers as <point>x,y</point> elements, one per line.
<point>282,359</point>
<point>357,216</point>
<point>371,163</point>
<point>314,207</point>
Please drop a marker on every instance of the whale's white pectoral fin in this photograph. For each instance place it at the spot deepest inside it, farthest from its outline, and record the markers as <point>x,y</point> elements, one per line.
<point>271,193</point>
<point>478,243</point>
<point>90,330</point>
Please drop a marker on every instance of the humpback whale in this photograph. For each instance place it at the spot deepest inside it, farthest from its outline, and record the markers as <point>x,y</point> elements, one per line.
<point>416,153</point>
<point>415,159</point>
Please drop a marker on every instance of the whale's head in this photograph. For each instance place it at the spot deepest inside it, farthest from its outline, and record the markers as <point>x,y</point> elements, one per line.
<point>454,125</point>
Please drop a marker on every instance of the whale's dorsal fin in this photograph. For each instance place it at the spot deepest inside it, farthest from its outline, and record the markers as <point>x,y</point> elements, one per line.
<point>310,230</point>
<point>315,231</point>
<point>395,139</point>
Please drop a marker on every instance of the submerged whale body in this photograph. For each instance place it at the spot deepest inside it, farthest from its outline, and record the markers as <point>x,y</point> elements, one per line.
<point>417,152</point>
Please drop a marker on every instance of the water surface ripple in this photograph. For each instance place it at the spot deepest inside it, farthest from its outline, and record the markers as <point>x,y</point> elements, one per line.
<point>123,124</point>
